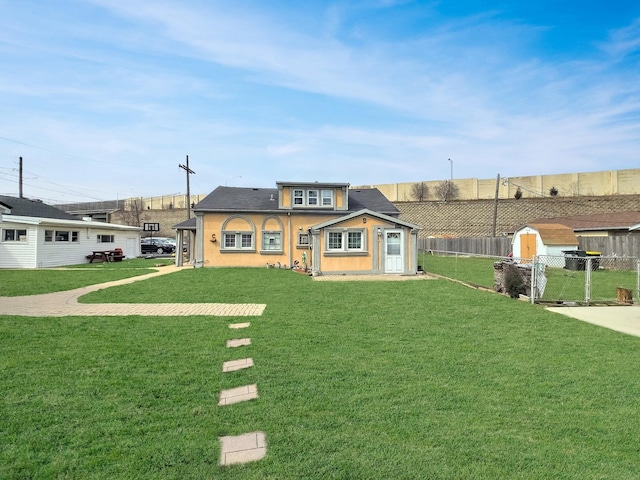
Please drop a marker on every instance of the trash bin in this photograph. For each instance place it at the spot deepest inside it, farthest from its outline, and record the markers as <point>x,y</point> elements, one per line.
<point>595,261</point>
<point>574,259</point>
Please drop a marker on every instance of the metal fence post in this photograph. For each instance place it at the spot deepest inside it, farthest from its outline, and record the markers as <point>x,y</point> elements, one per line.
<point>587,280</point>
<point>638,278</point>
<point>534,279</point>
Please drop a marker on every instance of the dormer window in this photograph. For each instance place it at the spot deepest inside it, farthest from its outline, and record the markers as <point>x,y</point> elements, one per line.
<point>312,198</point>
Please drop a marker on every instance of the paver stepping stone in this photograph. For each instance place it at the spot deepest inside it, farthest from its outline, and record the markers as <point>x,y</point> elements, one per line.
<point>240,325</point>
<point>243,448</point>
<point>238,342</point>
<point>234,365</point>
<point>237,395</point>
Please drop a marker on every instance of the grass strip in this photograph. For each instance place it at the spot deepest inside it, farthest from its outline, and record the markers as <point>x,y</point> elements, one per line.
<point>418,379</point>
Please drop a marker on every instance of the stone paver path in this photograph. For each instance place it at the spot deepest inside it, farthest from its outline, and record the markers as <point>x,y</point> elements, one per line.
<point>236,326</point>
<point>243,448</point>
<point>62,304</point>
<point>237,395</point>
<point>233,365</point>
<point>238,342</point>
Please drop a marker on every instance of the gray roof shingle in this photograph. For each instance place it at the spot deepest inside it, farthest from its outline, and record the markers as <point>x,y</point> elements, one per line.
<point>32,208</point>
<point>240,199</point>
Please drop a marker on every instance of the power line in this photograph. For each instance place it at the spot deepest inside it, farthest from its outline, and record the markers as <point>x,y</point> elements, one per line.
<point>58,152</point>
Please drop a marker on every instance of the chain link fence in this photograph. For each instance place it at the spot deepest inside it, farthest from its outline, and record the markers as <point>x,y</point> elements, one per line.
<point>564,279</point>
<point>574,278</point>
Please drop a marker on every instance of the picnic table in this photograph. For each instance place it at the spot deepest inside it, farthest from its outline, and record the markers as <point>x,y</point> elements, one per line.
<point>106,255</point>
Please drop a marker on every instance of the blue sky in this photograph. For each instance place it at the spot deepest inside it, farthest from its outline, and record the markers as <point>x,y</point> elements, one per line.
<point>104,98</point>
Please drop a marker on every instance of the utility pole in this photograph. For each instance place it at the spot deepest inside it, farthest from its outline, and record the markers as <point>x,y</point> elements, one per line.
<point>495,206</point>
<point>189,171</point>
<point>20,181</point>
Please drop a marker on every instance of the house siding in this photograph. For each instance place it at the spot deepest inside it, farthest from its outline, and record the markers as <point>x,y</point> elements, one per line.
<point>36,253</point>
<point>19,254</point>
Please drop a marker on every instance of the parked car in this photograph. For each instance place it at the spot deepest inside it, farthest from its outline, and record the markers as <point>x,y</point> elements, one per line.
<point>156,245</point>
<point>172,241</point>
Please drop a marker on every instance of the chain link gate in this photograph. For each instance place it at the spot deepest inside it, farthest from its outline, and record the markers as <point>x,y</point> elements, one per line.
<point>586,280</point>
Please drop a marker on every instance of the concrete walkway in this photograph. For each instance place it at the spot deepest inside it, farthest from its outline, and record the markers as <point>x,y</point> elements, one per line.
<point>624,319</point>
<point>62,304</point>
<point>372,278</point>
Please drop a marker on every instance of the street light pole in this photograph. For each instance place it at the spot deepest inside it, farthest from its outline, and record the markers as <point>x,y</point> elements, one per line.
<point>450,180</point>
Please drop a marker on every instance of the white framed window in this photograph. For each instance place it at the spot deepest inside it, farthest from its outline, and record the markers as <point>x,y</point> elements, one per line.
<point>327,198</point>
<point>246,240</point>
<point>312,198</point>
<point>272,241</point>
<point>14,235</point>
<point>61,236</point>
<point>106,238</point>
<point>238,241</point>
<point>334,241</point>
<point>229,240</point>
<point>346,241</point>
<point>354,240</point>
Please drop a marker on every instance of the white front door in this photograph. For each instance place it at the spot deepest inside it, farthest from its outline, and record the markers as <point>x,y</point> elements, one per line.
<point>393,251</point>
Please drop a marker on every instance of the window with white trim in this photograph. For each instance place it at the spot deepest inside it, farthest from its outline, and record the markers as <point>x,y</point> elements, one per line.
<point>354,240</point>
<point>312,198</point>
<point>106,238</point>
<point>237,241</point>
<point>14,235</point>
<point>351,240</point>
<point>334,241</point>
<point>229,240</point>
<point>327,198</point>
<point>272,241</point>
<point>61,236</point>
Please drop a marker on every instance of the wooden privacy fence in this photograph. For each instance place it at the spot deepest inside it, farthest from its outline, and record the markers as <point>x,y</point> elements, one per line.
<point>620,246</point>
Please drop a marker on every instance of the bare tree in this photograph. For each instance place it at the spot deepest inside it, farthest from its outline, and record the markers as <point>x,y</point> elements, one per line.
<point>446,190</point>
<point>419,191</point>
<point>132,217</point>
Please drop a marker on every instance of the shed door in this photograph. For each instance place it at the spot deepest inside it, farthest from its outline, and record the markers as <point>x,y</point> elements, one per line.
<point>394,251</point>
<point>528,245</point>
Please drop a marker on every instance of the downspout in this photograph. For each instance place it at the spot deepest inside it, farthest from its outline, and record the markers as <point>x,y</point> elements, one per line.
<point>199,255</point>
<point>290,239</point>
<point>179,249</point>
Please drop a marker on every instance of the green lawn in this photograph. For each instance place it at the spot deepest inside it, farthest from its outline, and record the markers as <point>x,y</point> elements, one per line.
<point>360,380</point>
<point>562,284</point>
<point>30,282</point>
